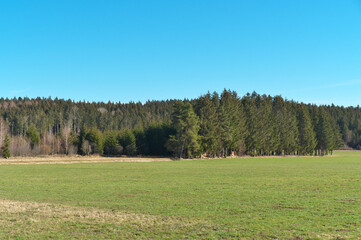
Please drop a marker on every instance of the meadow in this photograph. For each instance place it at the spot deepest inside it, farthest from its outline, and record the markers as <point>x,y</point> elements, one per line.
<point>246,198</point>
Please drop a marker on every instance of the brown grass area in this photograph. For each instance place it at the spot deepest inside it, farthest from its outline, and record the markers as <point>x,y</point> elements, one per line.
<point>37,211</point>
<point>65,159</point>
<point>77,159</point>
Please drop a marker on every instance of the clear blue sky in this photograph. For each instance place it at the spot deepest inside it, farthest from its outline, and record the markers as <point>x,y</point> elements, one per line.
<point>133,50</point>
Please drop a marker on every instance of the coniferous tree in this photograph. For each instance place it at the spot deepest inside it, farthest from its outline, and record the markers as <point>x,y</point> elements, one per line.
<point>95,140</point>
<point>33,136</point>
<point>307,136</point>
<point>111,145</point>
<point>325,134</point>
<point>253,123</point>
<point>127,140</point>
<point>209,125</point>
<point>287,127</point>
<point>6,147</point>
<point>269,130</point>
<point>186,124</point>
<point>232,123</point>
<point>156,137</point>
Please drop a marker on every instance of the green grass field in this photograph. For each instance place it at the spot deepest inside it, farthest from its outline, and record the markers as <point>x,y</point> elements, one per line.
<point>249,198</point>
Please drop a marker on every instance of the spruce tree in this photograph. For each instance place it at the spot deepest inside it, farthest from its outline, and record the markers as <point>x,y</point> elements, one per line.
<point>307,136</point>
<point>287,126</point>
<point>127,139</point>
<point>325,134</point>
<point>254,137</point>
<point>209,125</point>
<point>33,135</point>
<point>186,124</point>
<point>6,147</point>
<point>233,129</point>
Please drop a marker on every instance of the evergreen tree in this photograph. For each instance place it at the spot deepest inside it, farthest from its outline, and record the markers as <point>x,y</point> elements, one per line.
<point>111,145</point>
<point>127,139</point>
<point>156,136</point>
<point>33,136</point>
<point>95,140</point>
<point>270,139</point>
<point>307,136</point>
<point>287,126</point>
<point>325,134</point>
<point>209,125</point>
<point>253,123</point>
<point>232,123</point>
<point>186,124</point>
<point>6,147</point>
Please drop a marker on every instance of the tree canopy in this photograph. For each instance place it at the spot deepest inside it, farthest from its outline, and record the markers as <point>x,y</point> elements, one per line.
<point>213,125</point>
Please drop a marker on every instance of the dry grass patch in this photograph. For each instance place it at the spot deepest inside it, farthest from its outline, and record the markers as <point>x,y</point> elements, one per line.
<point>47,210</point>
<point>43,219</point>
<point>77,159</point>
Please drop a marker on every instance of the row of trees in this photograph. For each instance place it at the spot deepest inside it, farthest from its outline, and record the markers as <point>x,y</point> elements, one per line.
<point>211,125</point>
<point>254,125</point>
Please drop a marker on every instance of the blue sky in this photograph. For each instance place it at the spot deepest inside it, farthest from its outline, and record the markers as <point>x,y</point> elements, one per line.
<point>133,50</point>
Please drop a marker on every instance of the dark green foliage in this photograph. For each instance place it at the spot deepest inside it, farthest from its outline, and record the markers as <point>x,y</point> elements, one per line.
<point>156,136</point>
<point>232,123</point>
<point>111,145</point>
<point>6,147</point>
<point>81,141</point>
<point>220,125</point>
<point>263,137</point>
<point>286,121</point>
<point>95,139</point>
<point>325,134</point>
<point>209,132</point>
<point>127,140</point>
<point>33,136</point>
<point>186,124</point>
<point>307,136</point>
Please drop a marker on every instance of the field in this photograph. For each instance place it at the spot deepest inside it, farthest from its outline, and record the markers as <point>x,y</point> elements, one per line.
<point>247,198</point>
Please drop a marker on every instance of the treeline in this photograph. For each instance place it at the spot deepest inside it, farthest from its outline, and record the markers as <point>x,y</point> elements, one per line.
<point>213,125</point>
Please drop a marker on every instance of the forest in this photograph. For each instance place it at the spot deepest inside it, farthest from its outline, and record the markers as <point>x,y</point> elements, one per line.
<point>213,125</point>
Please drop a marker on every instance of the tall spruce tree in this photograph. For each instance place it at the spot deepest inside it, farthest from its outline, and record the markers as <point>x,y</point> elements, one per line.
<point>185,143</point>
<point>307,135</point>
<point>287,126</point>
<point>325,134</point>
<point>209,125</point>
<point>253,123</point>
<point>233,129</point>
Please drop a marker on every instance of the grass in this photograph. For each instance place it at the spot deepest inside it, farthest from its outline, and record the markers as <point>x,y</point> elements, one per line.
<point>248,198</point>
